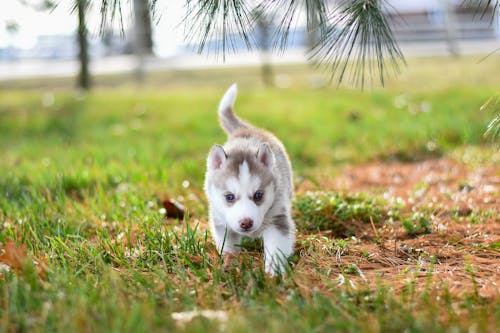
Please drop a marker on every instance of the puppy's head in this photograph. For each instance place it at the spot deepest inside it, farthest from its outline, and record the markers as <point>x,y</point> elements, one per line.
<point>240,186</point>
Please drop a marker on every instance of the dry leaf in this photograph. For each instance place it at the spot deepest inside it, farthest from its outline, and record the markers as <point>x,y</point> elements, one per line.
<point>42,267</point>
<point>174,209</point>
<point>14,256</point>
<point>131,238</point>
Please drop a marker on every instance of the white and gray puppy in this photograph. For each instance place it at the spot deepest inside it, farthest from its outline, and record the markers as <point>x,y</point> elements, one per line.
<point>249,188</point>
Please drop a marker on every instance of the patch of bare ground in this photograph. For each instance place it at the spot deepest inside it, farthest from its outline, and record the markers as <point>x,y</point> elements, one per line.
<point>460,255</point>
<point>434,183</point>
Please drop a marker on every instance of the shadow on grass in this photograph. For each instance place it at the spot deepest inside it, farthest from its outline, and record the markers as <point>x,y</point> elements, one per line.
<point>24,193</point>
<point>33,121</point>
<point>410,155</point>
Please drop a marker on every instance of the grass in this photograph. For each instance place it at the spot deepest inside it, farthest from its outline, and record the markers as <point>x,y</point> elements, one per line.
<point>84,176</point>
<point>336,212</point>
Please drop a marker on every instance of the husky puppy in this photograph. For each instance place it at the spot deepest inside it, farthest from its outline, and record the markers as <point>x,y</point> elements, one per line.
<point>249,188</point>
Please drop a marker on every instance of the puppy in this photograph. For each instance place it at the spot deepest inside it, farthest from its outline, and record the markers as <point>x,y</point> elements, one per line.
<point>249,188</point>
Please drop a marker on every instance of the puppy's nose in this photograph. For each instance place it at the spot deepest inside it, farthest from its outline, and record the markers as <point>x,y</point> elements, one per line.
<point>246,223</point>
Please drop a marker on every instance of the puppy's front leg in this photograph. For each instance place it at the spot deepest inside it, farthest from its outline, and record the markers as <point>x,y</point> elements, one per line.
<point>226,240</point>
<point>278,246</point>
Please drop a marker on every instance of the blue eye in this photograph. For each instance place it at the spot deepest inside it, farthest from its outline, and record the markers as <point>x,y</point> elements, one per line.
<point>258,196</point>
<point>229,197</point>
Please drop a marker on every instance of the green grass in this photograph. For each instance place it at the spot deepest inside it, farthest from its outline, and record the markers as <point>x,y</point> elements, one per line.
<point>82,178</point>
<point>318,211</point>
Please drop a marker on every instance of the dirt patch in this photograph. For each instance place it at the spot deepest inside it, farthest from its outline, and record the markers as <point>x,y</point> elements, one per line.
<point>461,254</point>
<point>439,182</point>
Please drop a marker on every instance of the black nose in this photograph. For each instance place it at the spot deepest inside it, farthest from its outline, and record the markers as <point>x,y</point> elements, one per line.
<point>246,223</point>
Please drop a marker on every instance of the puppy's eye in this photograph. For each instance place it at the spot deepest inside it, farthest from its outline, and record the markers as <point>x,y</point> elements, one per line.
<point>229,197</point>
<point>258,196</point>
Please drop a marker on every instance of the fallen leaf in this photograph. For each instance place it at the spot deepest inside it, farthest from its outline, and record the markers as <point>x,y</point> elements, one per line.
<point>130,239</point>
<point>196,260</point>
<point>14,256</point>
<point>464,211</point>
<point>173,208</point>
<point>42,267</point>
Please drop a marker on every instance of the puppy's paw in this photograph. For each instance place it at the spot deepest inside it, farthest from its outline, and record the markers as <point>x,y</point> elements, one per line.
<point>277,267</point>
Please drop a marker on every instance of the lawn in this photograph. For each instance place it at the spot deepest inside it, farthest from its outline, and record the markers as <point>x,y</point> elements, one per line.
<point>396,204</point>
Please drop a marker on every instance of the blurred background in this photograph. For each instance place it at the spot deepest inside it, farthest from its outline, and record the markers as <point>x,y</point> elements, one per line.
<point>107,117</point>
<point>40,38</point>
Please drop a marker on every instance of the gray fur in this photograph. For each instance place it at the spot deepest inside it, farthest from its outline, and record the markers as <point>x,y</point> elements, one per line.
<point>229,121</point>
<point>232,168</point>
<point>244,143</point>
<point>281,223</point>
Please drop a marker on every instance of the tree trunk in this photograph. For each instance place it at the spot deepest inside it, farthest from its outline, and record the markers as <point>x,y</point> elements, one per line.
<point>264,44</point>
<point>451,27</point>
<point>83,56</point>
<point>143,40</point>
<point>143,29</point>
<point>147,28</point>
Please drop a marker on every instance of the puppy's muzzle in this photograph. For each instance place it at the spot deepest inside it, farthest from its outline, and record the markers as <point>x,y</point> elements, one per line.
<point>246,224</point>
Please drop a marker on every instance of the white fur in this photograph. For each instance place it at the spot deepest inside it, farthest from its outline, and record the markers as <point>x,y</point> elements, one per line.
<point>244,207</point>
<point>229,97</point>
<point>225,218</point>
<point>277,249</point>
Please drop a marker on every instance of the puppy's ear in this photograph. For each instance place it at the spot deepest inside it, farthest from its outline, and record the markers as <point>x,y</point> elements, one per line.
<point>265,155</point>
<point>216,158</point>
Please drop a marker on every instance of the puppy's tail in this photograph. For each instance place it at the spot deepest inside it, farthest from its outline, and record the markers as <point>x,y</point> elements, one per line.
<point>229,121</point>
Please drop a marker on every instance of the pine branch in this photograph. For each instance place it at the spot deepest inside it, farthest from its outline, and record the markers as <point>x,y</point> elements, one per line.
<point>482,7</point>
<point>359,41</point>
<point>493,128</point>
<point>110,11</point>
<point>355,41</point>
<point>285,13</point>
<point>218,20</point>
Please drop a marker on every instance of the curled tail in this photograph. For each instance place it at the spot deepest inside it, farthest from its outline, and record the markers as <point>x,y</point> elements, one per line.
<point>229,121</point>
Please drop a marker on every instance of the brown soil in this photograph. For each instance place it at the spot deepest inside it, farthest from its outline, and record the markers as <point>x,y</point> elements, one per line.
<point>462,252</point>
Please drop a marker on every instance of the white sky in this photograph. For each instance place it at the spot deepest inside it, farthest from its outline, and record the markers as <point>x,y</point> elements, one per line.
<point>32,23</point>
<point>168,30</point>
